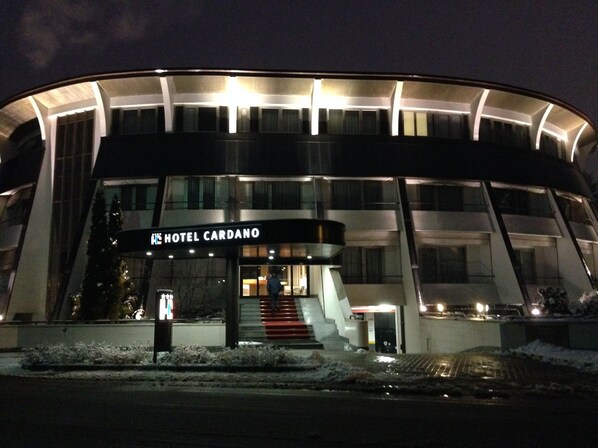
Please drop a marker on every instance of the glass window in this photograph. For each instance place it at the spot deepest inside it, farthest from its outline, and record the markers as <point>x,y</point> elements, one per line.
<point>243,122</point>
<point>207,119</point>
<point>415,124</point>
<point>526,265</point>
<point>190,119</point>
<point>351,265</point>
<point>294,280</point>
<point>148,121</point>
<point>408,123</point>
<point>352,122</point>
<point>361,195</point>
<point>443,265</point>
<point>290,121</point>
<point>269,120</point>
<point>335,121</point>
<point>370,122</point>
<point>130,121</point>
<point>266,195</point>
<point>421,124</point>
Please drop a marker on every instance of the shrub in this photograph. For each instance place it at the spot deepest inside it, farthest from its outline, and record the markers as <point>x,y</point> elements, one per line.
<point>255,356</point>
<point>553,301</point>
<point>586,306</point>
<point>81,353</point>
<point>188,354</point>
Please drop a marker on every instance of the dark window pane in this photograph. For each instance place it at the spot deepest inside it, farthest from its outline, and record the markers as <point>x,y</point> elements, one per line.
<point>352,122</point>
<point>351,265</point>
<point>290,120</point>
<point>374,265</point>
<point>369,122</point>
<point>130,122</point>
<point>335,121</point>
<point>207,119</point>
<point>270,120</point>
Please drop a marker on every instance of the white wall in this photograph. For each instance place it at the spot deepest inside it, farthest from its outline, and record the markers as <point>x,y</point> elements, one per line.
<point>457,335</point>
<point>21,336</point>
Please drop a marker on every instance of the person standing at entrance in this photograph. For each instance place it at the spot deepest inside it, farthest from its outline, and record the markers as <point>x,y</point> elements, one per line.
<point>274,286</point>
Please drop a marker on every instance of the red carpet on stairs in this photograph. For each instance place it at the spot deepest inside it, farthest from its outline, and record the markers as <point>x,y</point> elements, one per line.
<point>284,323</point>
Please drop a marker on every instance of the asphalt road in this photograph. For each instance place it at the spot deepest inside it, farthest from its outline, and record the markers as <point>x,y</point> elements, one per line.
<point>59,413</point>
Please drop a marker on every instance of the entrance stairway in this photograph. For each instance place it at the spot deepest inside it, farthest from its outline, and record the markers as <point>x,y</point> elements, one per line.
<point>285,327</point>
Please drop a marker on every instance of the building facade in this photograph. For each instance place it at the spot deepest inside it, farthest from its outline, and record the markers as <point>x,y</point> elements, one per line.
<point>452,192</point>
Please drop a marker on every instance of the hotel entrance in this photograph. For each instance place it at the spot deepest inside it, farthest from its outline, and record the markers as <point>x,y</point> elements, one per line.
<point>294,279</point>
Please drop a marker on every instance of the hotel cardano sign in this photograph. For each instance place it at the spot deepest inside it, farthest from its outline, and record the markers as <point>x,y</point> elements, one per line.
<point>207,236</point>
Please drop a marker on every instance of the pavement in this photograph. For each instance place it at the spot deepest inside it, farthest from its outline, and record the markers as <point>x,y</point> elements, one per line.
<point>478,375</point>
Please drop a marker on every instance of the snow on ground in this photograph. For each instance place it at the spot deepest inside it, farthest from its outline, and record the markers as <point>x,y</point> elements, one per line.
<point>584,360</point>
<point>323,372</point>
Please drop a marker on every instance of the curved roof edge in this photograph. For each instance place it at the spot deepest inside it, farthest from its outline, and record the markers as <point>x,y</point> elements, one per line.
<point>300,74</point>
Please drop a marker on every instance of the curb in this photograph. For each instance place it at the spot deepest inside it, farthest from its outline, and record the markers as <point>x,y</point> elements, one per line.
<point>169,368</point>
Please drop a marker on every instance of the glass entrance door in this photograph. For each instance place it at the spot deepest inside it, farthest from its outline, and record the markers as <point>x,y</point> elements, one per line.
<point>294,279</point>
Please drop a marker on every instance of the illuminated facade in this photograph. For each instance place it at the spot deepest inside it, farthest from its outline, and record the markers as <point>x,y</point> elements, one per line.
<point>451,192</point>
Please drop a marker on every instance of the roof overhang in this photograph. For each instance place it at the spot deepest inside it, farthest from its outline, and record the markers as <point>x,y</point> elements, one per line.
<point>284,241</point>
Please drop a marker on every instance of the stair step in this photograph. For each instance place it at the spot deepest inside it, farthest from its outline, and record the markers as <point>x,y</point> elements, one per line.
<point>287,336</point>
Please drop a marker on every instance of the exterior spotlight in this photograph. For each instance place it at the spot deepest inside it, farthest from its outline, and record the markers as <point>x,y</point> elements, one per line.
<point>440,308</point>
<point>1,317</point>
<point>480,307</point>
<point>149,254</point>
<point>171,256</point>
<point>535,311</point>
<point>191,251</point>
<point>423,308</point>
<point>211,254</point>
<point>270,257</point>
<point>309,257</point>
<point>271,251</point>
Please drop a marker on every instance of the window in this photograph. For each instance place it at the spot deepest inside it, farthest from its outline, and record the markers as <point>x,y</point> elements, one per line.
<point>138,121</point>
<point>266,195</point>
<point>415,124</point>
<point>364,265</point>
<point>133,197</point>
<point>522,202</point>
<point>196,193</point>
<point>443,265</point>
<point>526,265</point>
<point>574,210</point>
<point>269,120</point>
<point>504,133</point>
<point>16,208</point>
<point>440,197</point>
<point>449,125</point>
<point>352,121</point>
<point>552,146</point>
<point>361,195</point>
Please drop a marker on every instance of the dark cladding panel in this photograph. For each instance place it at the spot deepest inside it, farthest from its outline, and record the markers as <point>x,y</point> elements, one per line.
<point>350,156</point>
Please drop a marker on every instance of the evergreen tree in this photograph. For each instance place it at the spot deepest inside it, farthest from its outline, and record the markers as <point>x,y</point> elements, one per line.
<point>94,299</point>
<point>120,286</point>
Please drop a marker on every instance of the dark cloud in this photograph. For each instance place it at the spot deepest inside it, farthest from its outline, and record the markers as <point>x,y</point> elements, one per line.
<point>543,45</point>
<point>49,28</point>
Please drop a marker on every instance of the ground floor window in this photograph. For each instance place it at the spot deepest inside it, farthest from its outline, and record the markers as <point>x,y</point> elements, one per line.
<point>294,279</point>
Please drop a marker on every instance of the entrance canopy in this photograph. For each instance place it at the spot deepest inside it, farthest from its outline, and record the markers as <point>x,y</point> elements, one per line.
<point>293,241</point>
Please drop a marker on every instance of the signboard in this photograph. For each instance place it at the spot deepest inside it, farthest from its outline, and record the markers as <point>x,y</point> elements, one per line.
<point>164,315</point>
<point>166,305</point>
<point>217,234</point>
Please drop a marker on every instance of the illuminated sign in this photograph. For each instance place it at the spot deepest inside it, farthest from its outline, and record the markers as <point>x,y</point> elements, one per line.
<point>166,306</point>
<point>247,233</point>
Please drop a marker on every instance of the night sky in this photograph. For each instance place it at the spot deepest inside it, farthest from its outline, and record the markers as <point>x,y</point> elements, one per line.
<point>546,46</point>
